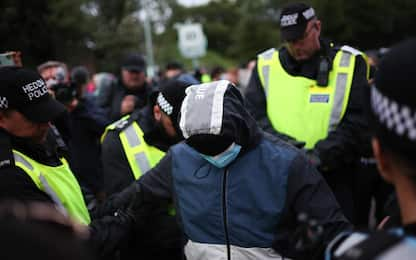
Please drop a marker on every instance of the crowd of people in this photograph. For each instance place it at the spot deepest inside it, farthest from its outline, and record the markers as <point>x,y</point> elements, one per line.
<point>307,153</point>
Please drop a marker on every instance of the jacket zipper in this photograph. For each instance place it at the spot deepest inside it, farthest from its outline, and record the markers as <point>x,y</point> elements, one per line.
<point>224,212</point>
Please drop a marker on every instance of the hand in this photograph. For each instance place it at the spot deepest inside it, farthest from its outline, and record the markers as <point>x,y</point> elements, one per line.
<point>123,200</point>
<point>307,237</point>
<point>127,104</point>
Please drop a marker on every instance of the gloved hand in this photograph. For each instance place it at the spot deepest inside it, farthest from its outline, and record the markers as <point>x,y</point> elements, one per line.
<point>114,220</point>
<point>127,199</point>
<point>307,237</point>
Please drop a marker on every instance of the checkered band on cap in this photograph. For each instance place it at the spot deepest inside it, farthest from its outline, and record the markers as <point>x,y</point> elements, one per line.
<point>4,103</point>
<point>164,104</point>
<point>398,118</point>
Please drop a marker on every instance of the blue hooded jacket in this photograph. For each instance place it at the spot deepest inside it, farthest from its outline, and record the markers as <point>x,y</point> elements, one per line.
<point>248,209</point>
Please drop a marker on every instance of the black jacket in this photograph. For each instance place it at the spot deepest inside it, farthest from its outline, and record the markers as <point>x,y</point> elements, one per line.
<point>117,171</point>
<point>341,148</point>
<point>87,122</point>
<point>15,184</point>
<point>157,234</point>
<point>111,96</point>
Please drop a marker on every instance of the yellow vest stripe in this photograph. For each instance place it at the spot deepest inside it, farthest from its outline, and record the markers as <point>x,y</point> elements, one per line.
<point>134,147</point>
<point>142,161</point>
<point>19,159</point>
<point>48,189</point>
<point>131,136</point>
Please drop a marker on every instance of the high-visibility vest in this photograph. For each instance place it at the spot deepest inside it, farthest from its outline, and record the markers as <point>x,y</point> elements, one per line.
<point>205,78</point>
<point>59,183</point>
<point>141,156</point>
<point>296,106</point>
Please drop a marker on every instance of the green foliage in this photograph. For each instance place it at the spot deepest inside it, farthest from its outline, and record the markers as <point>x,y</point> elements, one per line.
<point>99,32</point>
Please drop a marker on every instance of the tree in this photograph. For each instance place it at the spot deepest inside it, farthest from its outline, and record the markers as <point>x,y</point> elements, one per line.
<point>42,30</point>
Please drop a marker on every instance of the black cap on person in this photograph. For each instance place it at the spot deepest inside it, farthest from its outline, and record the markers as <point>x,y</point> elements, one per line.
<point>26,91</point>
<point>134,62</point>
<point>393,99</point>
<point>293,20</point>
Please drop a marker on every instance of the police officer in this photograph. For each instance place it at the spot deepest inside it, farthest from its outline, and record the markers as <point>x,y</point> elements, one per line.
<point>32,167</point>
<point>133,145</point>
<point>392,109</point>
<point>236,191</point>
<point>310,91</point>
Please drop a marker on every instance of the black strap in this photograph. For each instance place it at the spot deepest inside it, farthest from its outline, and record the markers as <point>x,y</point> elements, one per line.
<point>6,152</point>
<point>373,246</point>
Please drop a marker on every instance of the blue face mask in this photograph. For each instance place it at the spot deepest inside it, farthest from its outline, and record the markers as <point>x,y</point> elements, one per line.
<point>223,159</point>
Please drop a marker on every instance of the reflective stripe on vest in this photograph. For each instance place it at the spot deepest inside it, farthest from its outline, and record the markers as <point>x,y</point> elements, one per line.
<point>141,156</point>
<point>296,106</point>
<point>59,183</point>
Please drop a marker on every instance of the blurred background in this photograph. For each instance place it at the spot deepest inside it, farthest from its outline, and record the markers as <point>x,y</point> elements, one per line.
<point>96,33</point>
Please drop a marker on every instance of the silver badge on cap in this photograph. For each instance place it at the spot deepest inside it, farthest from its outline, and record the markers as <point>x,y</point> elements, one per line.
<point>289,19</point>
<point>308,13</point>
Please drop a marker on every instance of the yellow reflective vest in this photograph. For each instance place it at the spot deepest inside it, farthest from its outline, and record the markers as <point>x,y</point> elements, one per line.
<point>59,183</point>
<point>296,106</point>
<point>141,156</point>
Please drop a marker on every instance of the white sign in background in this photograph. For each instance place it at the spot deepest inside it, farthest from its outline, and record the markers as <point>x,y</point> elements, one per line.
<point>191,40</point>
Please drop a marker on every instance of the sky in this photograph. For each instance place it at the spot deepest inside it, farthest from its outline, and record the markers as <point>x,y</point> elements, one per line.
<point>192,2</point>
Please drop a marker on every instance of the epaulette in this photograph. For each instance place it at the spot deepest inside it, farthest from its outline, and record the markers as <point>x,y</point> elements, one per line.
<point>351,50</point>
<point>120,124</point>
<point>268,54</point>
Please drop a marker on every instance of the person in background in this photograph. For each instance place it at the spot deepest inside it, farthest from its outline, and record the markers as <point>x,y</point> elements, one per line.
<point>129,92</point>
<point>87,123</point>
<point>216,73</point>
<point>54,73</point>
<point>174,70</point>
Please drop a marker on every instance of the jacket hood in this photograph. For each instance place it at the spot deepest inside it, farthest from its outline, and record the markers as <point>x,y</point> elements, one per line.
<point>213,115</point>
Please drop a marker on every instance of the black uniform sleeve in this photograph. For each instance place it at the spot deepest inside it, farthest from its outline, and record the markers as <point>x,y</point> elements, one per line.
<point>341,146</point>
<point>108,233</point>
<point>158,181</point>
<point>152,187</point>
<point>307,192</point>
<point>15,184</point>
<point>115,219</point>
<point>255,96</point>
